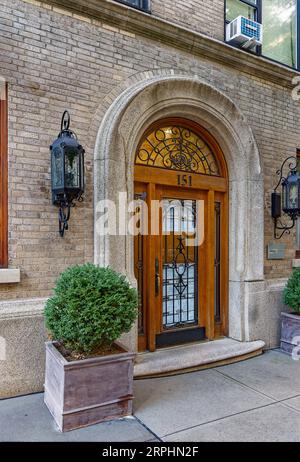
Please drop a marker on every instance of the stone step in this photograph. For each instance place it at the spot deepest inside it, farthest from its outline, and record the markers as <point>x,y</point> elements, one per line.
<point>186,358</point>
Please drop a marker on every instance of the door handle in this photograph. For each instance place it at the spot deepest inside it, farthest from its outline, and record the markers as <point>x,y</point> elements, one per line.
<point>157,278</point>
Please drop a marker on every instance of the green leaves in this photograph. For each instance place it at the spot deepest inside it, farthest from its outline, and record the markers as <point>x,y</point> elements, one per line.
<point>291,294</point>
<point>91,308</point>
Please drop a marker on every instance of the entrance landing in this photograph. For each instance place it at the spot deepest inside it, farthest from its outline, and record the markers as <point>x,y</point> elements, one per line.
<point>196,356</point>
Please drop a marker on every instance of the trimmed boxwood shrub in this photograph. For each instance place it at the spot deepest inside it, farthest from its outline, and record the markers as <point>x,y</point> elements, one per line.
<point>291,294</point>
<point>91,308</point>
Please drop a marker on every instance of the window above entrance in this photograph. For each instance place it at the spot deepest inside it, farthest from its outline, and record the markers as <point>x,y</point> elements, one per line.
<point>281,26</point>
<point>140,4</point>
<point>176,147</point>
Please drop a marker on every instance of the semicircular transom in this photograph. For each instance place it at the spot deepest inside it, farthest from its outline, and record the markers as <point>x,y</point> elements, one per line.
<point>177,147</point>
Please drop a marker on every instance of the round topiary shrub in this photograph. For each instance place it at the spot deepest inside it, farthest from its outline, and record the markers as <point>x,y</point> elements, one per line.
<point>91,308</point>
<point>291,294</point>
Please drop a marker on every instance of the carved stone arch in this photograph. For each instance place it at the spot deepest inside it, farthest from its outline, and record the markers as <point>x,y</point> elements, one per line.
<point>127,118</point>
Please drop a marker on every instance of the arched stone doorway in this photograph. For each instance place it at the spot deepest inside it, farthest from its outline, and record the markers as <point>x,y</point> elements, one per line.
<point>121,130</point>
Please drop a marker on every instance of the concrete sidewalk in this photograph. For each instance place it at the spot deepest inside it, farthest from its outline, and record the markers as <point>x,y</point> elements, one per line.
<point>254,400</point>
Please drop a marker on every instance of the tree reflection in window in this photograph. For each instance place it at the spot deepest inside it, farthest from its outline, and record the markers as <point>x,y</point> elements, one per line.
<point>280,30</point>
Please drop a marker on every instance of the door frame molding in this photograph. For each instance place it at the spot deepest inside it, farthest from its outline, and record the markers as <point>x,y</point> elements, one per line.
<point>155,181</point>
<point>123,118</point>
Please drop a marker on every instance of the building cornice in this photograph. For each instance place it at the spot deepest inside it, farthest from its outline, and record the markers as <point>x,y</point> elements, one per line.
<point>170,34</point>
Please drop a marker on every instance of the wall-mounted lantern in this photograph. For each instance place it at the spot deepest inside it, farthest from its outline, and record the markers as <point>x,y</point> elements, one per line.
<point>288,201</point>
<point>67,172</point>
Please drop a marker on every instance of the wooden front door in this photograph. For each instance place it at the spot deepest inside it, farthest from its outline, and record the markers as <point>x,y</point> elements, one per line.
<point>181,251</point>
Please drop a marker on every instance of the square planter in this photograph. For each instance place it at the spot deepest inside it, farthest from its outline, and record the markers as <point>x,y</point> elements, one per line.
<point>89,391</point>
<point>290,328</point>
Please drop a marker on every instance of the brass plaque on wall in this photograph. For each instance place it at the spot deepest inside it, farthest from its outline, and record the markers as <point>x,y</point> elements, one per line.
<point>276,251</point>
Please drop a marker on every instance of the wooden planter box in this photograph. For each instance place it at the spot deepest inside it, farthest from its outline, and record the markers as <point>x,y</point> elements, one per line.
<point>89,391</point>
<point>290,328</point>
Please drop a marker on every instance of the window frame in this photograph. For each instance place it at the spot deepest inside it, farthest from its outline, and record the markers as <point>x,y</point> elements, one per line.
<point>4,181</point>
<point>144,5</point>
<point>259,15</point>
<point>257,7</point>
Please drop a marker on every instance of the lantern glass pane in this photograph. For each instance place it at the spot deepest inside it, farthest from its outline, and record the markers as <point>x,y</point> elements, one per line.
<point>82,172</point>
<point>293,196</point>
<point>72,168</point>
<point>57,169</point>
<point>284,196</point>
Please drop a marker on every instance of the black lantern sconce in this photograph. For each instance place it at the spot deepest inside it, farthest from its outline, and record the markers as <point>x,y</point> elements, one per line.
<point>288,201</point>
<point>67,172</point>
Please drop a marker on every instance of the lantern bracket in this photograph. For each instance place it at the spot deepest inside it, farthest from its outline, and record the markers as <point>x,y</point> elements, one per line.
<point>285,229</point>
<point>64,213</point>
<point>292,162</point>
<point>64,217</point>
<point>65,122</point>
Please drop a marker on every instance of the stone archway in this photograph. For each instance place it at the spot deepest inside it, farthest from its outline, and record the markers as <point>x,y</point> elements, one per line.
<point>120,131</point>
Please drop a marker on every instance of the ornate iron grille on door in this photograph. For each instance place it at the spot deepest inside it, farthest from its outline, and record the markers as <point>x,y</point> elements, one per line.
<point>179,264</point>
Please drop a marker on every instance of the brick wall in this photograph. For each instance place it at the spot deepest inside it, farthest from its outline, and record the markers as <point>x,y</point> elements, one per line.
<point>202,16</point>
<point>56,61</point>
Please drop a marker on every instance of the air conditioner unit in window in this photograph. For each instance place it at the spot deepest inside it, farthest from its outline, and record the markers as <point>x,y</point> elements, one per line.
<point>244,32</point>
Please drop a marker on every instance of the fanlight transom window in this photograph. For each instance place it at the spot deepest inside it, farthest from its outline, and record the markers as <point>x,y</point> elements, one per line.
<point>177,148</point>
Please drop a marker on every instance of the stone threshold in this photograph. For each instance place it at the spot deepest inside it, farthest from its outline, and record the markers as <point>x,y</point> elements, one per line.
<point>196,356</point>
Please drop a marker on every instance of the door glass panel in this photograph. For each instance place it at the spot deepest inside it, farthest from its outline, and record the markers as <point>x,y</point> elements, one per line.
<point>217,261</point>
<point>180,263</point>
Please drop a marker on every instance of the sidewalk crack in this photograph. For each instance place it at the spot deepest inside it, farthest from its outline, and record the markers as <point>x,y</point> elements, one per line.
<point>220,419</point>
<point>148,429</point>
<point>248,386</point>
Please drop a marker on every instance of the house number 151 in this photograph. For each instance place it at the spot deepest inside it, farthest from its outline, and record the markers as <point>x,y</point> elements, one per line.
<point>184,180</point>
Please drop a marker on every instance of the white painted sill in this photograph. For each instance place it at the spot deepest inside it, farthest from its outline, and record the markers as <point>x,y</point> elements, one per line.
<point>10,276</point>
